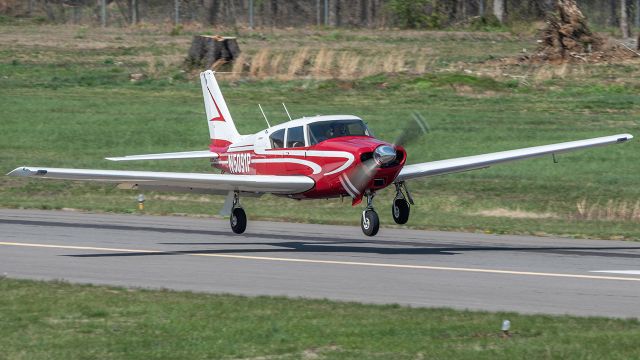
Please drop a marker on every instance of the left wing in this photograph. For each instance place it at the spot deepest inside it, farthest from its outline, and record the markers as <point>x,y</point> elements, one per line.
<point>173,181</point>
<point>449,166</point>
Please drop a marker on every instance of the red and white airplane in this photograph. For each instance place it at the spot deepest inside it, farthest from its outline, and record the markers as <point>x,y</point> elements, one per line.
<point>315,157</point>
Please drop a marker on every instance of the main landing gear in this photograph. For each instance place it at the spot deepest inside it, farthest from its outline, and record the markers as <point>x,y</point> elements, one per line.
<point>238,218</point>
<point>370,223</point>
<point>400,209</point>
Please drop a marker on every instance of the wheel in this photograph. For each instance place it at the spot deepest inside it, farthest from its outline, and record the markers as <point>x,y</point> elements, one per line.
<point>238,220</point>
<point>369,222</point>
<point>400,211</point>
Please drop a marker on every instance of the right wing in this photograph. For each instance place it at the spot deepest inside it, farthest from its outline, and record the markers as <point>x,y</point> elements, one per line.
<point>166,156</point>
<point>173,181</point>
<point>449,166</point>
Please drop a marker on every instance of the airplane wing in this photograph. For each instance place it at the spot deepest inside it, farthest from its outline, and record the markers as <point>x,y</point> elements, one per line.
<point>173,181</point>
<point>449,166</point>
<point>166,156</point>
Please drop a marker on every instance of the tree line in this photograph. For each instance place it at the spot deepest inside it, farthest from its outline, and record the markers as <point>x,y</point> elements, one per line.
<point>415,14</point>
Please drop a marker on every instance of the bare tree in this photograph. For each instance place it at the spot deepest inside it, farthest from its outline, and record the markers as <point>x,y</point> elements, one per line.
<point>133,12</point>
<point>624,22</point>
<point>613,16</point>
<point>498,9</point>
<point>103,12</point>
<point>364,11</point>
<point>549,4</point>
<point>458,10</point>
<point>214,8</point>
<point>30,6</point>
<point>337,13</point>
<point>274,12</point>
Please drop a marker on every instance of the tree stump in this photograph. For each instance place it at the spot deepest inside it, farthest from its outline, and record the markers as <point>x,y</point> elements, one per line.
<point>567,33</point>
<point>212,52</point>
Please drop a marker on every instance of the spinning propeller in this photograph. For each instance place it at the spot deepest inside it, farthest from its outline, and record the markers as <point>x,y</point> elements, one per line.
<point>413,130</point>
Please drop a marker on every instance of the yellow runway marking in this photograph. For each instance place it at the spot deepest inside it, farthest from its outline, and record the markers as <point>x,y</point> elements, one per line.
<point>335,262</point>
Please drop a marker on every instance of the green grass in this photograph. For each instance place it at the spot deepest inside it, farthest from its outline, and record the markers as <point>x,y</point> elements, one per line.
<point>54,320</point>
<point>71,107</point>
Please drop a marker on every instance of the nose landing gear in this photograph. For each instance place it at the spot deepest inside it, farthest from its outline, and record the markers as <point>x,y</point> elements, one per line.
<point>369,222</point>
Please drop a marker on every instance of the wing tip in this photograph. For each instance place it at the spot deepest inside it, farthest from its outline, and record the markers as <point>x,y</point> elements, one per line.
<point>25,171</point>
<point>624,137</point>
<point>21,171</point>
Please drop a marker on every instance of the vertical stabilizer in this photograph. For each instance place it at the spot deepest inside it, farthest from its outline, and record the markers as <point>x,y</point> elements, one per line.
<point>222,129</point>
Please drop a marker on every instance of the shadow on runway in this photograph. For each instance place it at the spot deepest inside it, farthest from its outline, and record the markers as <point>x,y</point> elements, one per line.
<point>319,244</point>
<point>346,247</point>
<point>130,228</point>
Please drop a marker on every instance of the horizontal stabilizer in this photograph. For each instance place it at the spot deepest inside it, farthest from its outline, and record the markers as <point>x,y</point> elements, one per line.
<point>167,156</point>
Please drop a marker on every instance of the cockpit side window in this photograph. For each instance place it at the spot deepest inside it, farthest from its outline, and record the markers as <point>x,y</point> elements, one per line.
<point>295,137</point>
<point>277,139</point>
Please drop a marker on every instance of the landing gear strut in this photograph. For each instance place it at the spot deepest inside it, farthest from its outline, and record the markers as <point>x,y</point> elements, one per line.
<point>238,218</point>
<point>400,209</point>
<point>369,221</point>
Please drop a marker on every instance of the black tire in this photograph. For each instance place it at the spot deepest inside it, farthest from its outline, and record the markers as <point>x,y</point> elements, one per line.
<point>238,220</point>
<point>370,223</point>
<point>400,211</point>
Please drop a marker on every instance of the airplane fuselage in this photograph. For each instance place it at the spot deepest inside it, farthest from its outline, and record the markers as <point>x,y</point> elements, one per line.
<point>331,163</point>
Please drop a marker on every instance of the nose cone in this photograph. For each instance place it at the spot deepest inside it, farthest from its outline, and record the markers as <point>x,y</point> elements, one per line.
<point>384,154</point>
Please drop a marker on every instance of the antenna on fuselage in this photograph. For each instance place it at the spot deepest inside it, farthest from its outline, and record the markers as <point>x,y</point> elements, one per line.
<point>285,109</point>
<point>265,116</point>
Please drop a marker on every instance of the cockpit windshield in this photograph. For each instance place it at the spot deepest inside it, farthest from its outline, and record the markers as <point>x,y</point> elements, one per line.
<point>323,130</point>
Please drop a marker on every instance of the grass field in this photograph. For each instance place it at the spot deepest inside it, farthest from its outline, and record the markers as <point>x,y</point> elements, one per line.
<point>61,321</point>
<point>67,101</point>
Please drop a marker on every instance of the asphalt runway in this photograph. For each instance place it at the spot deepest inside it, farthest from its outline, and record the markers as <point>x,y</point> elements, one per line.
<point>417,268</point>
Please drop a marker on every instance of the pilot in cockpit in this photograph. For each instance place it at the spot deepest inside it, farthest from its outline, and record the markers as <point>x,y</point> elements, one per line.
<point>336,130</point>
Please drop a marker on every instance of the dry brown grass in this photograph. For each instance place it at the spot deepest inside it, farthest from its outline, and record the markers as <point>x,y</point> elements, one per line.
<point>400,60</point>
<point>388,65</point>
<point>421,65</point>
<point>372,65</point>
<point>275,65</point>
<point>323,64</point>
<point>306,57</point>
<point>612,210</point>
<point>515,214</point>
<point>296,65</point>
<point>364,55</point>
<point>238,67</point>
<point>348,65</point>
<point>152,63</point>
<point>260,63</point>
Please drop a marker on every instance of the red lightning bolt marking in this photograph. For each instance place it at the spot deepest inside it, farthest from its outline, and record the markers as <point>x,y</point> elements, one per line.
<point>220,116</point>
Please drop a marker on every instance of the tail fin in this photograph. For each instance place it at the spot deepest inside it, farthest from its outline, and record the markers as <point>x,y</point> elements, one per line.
<point>221,126</point>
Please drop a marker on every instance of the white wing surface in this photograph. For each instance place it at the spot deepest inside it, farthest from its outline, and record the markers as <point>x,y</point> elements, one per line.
<point>167,156</point>
<point>173,181</point>
<point>442,167</point>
